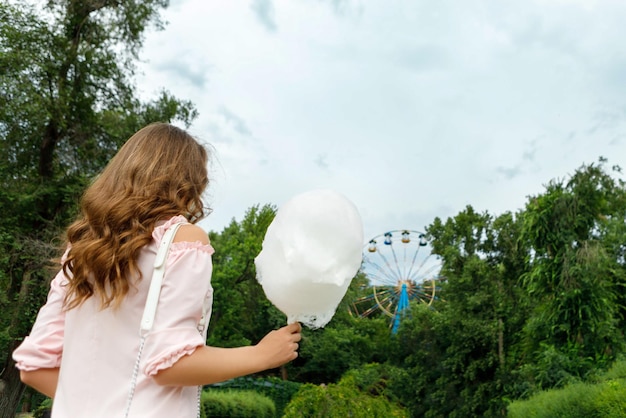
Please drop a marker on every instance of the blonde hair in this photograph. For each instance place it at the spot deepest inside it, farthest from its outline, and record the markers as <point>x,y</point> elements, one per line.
<point>160,172</point>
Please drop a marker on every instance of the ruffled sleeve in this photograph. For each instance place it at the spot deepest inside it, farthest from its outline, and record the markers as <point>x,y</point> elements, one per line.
<point>43,348</point>
<point>186,289</point>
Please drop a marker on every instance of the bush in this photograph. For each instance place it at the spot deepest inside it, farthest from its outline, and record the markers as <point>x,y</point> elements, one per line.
<point>278,390</point>
<point>603,400</point>
<point>340,401</point>
<point>610,401</point>
<point>376,380</point>
<point>236,404</point>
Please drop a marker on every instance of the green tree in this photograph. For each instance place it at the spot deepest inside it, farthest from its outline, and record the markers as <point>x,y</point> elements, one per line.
<point>576,229</point>
<point>458,357</point>
<point>67,102</point>
<point>241,313</point>
<point>344,344</point>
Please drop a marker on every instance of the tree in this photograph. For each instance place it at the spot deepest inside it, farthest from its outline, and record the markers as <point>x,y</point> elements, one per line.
<point>532,300</point>
<point>241,313</point>
<point>67,103</point>
<point>576,229</point>
<point>344,344</point>
<point>458,357</point>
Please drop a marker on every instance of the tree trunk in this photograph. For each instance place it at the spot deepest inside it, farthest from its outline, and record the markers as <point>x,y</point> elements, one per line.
<point>27,401</point>
<point>11,387</point>
<point>501,342</point>
<point>46,152</point>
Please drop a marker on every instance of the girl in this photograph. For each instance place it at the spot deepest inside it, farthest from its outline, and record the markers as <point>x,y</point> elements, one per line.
<point>84,345</point>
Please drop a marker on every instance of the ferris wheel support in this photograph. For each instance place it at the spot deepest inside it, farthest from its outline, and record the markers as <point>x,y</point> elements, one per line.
<point>403,304</point>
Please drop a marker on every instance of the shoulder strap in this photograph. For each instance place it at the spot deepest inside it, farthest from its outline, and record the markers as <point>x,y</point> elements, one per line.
<point>149,312</point>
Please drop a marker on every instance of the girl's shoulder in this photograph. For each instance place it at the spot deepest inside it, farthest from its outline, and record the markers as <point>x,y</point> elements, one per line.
<point>191,233</point>
<point>188,236</point>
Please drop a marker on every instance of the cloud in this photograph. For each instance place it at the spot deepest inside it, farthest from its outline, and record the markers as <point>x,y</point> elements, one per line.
<point>238,124</point>
<point>321,162</point>
<point>509,172</point>
<point>617,140</point>
<point>346,7</point>
<point>420,58</point>
<point>226,127</point>
<point>264,11</point>
<point>529,154</point>
<point>193,73</point>
<point>176,4</point>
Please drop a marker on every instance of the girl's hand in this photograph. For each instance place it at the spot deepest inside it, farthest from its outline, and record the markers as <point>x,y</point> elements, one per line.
<point>280,346</point>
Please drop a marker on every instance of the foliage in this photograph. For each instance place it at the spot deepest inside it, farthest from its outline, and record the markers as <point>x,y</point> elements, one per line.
<point>603,396</point>
<point>553,367</point>
<point>377,380</point>
<point>617,370</point>
<point>278,390</point>
<point>457,358</point>
<point>241,312</point>
<point>576,231</point>
<point>45,406</point>
<point>339,401</point>
<point>236,404</point>
<point>450,368</point>
<point>601,400</point>
<point>345,343</point>
<point>531,301</point>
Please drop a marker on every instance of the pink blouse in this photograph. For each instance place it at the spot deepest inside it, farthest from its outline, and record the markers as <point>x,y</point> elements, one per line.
<point>96,349</point>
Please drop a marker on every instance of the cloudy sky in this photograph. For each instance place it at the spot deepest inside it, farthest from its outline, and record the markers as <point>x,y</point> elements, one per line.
<point>413,109</point>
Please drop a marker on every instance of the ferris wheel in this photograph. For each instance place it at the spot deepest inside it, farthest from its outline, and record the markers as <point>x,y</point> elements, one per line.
<point>400,268</point>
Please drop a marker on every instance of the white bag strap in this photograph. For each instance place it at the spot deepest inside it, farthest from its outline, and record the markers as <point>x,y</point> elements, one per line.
<point>152,300</point>
<point>149,312</point>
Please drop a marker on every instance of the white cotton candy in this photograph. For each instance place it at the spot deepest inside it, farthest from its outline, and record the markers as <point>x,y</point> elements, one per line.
<point>310,254</point>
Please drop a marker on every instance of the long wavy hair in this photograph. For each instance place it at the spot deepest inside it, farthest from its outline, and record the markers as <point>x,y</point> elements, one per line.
<point>160,172</point>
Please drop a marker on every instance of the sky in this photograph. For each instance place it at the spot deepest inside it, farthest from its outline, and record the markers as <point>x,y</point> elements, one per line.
<point>411,109</point>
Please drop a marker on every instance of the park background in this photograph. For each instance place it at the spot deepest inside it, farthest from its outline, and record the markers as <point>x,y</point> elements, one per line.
<point>526,213</point>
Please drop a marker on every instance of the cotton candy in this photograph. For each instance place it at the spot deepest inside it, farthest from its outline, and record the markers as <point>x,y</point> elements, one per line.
<point>311,252</point>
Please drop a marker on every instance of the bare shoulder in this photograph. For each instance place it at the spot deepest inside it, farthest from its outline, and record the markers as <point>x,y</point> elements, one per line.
<point>191,233</point>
